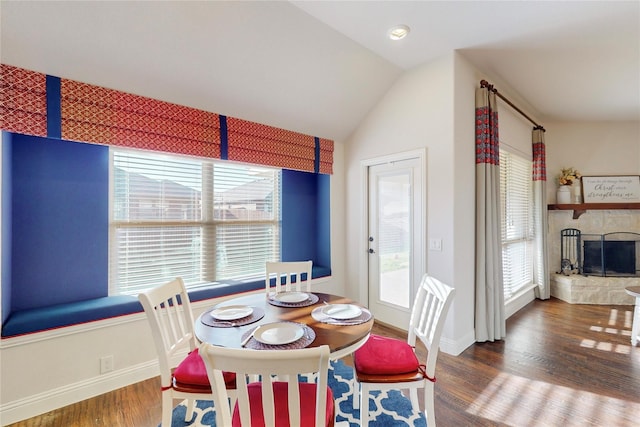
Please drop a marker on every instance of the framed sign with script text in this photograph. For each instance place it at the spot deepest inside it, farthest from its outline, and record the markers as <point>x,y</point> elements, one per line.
<point>611,189</point>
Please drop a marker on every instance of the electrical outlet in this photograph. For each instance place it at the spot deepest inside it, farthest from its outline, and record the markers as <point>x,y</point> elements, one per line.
<point>106,364</point>
<point>435,244</point>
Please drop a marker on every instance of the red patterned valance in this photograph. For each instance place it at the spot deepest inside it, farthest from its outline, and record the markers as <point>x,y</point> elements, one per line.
<point>255,143</point>
<point>23,101</point>
<point>105,116</point>
<point>30,101</point>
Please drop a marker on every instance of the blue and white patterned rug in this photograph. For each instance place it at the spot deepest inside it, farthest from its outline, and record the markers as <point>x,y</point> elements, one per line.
<point>386,408</point>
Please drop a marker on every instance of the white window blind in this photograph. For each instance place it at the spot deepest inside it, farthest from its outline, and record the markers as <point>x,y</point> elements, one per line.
<point>516,199</point>
<point>201,220</point>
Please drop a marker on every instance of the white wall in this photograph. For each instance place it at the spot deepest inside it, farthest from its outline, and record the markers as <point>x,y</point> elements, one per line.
<point>594,148</point>
<point>464,172</point>
<point>430,106</point>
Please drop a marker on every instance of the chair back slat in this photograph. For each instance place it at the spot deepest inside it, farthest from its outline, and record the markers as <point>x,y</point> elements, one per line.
<point>269,402</point>
<point>271,367</point>
<point>282,274</point>
<point>169,313</point>
<point>428,317</point>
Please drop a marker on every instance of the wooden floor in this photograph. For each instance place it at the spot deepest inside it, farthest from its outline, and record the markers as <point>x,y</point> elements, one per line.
<point>560,365</point>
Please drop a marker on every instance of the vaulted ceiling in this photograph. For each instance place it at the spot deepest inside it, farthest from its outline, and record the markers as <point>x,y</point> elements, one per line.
<point>318,67</point>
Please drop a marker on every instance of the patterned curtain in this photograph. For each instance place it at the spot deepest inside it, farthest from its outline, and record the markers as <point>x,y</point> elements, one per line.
<point>540,267</point>
<point>490,322</point>
<point>23,101</point>
<point>254,143</point>
<point>33,103</point>
<point>105,116</point>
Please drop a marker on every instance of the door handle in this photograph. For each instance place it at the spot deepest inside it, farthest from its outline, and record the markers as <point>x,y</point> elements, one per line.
<point>371,251</point>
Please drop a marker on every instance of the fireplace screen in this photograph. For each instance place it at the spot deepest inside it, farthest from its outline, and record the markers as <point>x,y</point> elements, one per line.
<point>613,254</point>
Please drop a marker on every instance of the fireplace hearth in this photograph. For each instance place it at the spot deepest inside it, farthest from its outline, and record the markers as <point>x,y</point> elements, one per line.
<point>579,289</point>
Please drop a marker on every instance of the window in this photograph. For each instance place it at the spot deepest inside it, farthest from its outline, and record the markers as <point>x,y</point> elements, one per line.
<point>202,220</point>
<point>516,199</point>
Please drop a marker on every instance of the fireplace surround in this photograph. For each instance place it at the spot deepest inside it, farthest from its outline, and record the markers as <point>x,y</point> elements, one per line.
<point>597,287</point>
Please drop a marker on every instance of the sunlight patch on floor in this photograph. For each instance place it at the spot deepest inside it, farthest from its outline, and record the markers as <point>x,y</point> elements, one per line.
<point>612,329</point>
<point>606,346</point>
<point>547,403</point>
<point>628,319</point>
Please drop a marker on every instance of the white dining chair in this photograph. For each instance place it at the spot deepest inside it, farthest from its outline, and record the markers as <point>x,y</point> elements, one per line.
<point>385,363</point>
<point>168,311</point>
<point>284,274</point>
<point>278,398</point>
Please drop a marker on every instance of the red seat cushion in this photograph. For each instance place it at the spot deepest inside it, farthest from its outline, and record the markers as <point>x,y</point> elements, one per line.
<point>192,371</point>
<point>384,356</point>
<point>307,403</point>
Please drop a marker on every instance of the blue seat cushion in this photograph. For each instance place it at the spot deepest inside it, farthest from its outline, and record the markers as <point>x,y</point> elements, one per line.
<point>56,316</point>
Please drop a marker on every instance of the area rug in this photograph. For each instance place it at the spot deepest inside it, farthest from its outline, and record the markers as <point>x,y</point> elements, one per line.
<point>386,408</point>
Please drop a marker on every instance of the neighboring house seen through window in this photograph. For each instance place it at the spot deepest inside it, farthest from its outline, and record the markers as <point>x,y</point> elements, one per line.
<point>199,219</point>
<point>516,198</point>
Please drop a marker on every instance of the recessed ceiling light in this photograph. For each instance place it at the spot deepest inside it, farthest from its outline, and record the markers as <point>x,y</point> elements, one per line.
<point>398,32</point>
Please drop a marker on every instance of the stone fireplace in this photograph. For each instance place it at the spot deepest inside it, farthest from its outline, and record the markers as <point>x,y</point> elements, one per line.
<point>595,287</point>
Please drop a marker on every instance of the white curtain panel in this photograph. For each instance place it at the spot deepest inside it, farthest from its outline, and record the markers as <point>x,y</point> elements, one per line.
<point>540,267</point>
<point>490,322</point>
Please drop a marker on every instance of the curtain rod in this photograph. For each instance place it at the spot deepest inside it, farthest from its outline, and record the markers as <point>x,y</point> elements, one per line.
<point>484,83</point>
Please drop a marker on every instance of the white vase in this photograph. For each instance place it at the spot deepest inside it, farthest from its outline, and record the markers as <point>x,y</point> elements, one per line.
<point>563,195</point>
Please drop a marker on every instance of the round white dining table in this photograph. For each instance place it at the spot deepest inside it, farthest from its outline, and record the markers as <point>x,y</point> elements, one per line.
<point>342,336</point>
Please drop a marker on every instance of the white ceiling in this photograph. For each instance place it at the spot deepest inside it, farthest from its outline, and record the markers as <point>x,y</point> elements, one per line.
<point>318,67</point>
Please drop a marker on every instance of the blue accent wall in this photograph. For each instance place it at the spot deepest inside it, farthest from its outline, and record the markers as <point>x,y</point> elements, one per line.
<point>323,230</point>
<point>305,213</point>
<point>6,224</point>
<point>60,220</point>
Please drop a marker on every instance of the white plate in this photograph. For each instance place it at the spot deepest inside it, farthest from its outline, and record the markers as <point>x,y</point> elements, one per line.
<point>279,333</point>
<point>231,312</point>
<point>291,297</point>
<point>342,311</point>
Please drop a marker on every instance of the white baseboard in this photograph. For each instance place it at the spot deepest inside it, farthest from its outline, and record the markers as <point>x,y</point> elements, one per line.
<point>34,405</point>
<point>455,347</point>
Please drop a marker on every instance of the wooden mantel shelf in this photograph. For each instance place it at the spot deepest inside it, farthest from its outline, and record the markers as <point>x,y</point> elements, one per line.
<point>580,208</point>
